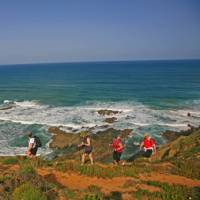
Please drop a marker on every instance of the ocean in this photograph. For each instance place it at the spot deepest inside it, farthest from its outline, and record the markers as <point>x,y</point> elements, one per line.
<point>152,96</point>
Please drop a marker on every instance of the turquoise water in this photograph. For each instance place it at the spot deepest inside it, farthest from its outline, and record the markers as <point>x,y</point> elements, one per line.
<point>157,83</point>
<point>152,96</point>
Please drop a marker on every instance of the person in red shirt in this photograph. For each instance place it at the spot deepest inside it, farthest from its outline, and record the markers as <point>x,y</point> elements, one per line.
<point>148,145</point>
<point>117,149</point>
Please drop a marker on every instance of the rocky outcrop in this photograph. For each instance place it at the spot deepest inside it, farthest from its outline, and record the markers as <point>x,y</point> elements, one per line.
<point>110,120</point>
<point>100,142</point>
<point>108,112</point>
<point>182,147</point>
<point>62,139</point>
<point>172,135</point>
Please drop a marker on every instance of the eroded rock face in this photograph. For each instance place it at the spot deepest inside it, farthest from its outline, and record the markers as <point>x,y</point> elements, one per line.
<point>172,135</point>
<point>100,142</point>
<point>182,146</point>
<point>108,112</point>
<point>62,139</point>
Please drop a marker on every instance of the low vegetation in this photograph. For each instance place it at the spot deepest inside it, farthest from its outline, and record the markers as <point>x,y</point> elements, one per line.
<point>29,192</point>
<point>98,170</point>
<point>20,178</point>
<point>168,192</point>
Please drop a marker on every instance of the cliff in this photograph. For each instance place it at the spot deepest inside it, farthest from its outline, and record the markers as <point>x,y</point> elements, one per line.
<point>172,174</point>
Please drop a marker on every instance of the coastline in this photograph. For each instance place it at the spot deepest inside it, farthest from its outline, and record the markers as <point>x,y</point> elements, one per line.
<point>162,177</point>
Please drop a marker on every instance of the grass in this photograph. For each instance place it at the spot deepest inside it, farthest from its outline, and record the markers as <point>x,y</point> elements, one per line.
<point>188,168</point>
<point>26,182</point>
<point>4,178</point>
<point>169,192</point>
<point>93,197</point>
<point>68,194</point>
<point>28,192</point>
<point>27,171</point>
<point>97,170</point>
<point>10,160</point>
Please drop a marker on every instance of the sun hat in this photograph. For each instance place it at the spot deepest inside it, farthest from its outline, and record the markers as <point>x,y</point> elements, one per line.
<point>83,134</point>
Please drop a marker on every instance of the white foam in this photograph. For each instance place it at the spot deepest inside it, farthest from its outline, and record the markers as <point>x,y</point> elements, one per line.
<point>172,125</point>
<point>131,115</point>
<point>28,104</point>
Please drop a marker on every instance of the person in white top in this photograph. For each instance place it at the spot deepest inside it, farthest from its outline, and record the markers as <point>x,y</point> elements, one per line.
<point>32,147</point>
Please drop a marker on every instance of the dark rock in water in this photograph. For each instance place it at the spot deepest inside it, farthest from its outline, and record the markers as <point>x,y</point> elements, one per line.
<point>110,120</point>
<point>189,114</point>
<point>108,112</point>
<point>6,106</point>
<point>130,117</point>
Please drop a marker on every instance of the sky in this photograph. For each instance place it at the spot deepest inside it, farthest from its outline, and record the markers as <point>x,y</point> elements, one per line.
<point>98,30</point>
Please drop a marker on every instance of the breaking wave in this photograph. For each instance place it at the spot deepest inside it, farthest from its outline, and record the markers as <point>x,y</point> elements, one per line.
<point>131,115</point>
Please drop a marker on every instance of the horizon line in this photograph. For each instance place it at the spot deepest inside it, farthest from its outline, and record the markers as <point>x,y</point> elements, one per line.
<point>100,61</point>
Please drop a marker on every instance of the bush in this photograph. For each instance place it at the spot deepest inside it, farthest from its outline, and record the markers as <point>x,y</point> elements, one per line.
<point>27,172</point>
<point>3,178</point>
<point>28,192</point>
<point>189,168</point>
<point>92,197</point>
<point>10,160</point>
<point>69,194</point>
<point>169,192</point>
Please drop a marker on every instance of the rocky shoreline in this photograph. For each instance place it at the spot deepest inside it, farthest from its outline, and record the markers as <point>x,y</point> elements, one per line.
<point>173,135</point>
<point>62,140</point>
<point>172,172</point>
<point>66,141</point>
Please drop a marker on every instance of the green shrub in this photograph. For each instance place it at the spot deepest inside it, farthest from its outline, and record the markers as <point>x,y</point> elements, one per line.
<point>28,192</point>
<point>188,168</point>
<point>69,194</point>
<point>93,197</point>
<point>10,160</point>
<point>4,178</point>
<point>27,171</point>
<point>94,189</point>
<point>168,192</point>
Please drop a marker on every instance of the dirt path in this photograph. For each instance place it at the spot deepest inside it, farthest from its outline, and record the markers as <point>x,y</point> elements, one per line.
<point>124,185</point>
<point>170,179</point>
<point>75,181</point>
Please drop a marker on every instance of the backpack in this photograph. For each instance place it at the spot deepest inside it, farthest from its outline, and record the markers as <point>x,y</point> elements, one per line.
<point>38,141</point>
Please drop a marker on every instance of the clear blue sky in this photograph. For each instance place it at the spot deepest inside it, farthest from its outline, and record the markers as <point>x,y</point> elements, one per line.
<point>90,30</point>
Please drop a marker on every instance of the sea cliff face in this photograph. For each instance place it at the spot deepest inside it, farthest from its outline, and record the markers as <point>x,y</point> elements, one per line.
<point>173,173</point>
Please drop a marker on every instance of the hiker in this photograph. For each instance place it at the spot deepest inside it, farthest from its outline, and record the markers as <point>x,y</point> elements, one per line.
<point>149,145</point>
<point>117,149</point>
<point>87,146</point>
<point>33,144</point>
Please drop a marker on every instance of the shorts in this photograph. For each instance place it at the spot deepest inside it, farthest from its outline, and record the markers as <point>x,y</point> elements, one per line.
<point>148,153</point>
<point>116,156</point>
<point>34,151</point>
<point>88,150</point>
